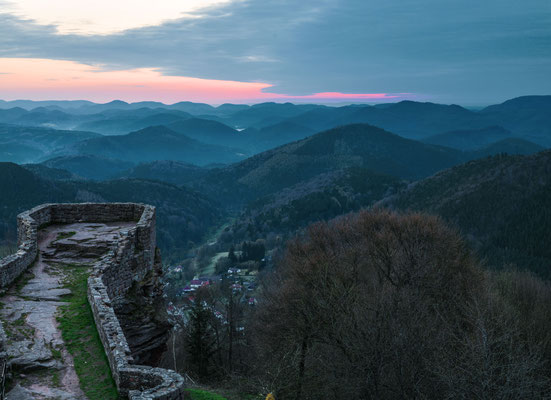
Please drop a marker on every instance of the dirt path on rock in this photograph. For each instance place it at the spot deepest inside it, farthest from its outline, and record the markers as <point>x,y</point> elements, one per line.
<point>43,367</point>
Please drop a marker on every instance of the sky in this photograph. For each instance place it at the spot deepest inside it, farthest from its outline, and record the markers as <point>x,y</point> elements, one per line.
<point>468,52</point>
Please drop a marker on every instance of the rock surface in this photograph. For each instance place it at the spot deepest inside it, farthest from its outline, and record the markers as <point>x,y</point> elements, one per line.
<point>29,310</point>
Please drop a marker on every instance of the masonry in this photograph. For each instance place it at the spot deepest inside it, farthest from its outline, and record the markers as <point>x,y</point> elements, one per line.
<point>127,263</point>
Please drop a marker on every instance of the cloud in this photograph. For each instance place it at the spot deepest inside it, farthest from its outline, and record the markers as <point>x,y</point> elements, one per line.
<point>46,79</point>
<point>450,50</point>
<point>103,16</point>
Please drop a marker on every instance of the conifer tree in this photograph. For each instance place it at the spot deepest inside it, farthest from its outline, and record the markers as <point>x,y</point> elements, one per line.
<point>200,340</point>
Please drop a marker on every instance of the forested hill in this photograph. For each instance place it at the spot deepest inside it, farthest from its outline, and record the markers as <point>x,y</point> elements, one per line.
<point>183,215</point>
<point>501,203</point>
<point>359,145</point>
<point>355,145</point>
<point>323,197</point>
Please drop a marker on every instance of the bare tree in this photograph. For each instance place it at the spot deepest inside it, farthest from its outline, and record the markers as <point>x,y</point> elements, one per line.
<point>369,306</point>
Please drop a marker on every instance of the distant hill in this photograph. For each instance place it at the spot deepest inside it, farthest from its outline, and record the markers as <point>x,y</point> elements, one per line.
<point>358,145</point>
<point>266,114</point>
<point>526,116</point>
<point>30,104</point>
<point>508,146</point>
<point>183,215</point>
<point>48,173</point>
<point>46,117</point>
<point>89,167</point>
<point>276,135</point>
<point>208,131</point>
<point>174,172</point>
<point>11,114</point>
<point>501,203</point>
<point>29,144</point>
<point>470,139</point>
<point>409,119</point>
<point>417,120</point>
<point>117,122</point>
<point>155,143</point>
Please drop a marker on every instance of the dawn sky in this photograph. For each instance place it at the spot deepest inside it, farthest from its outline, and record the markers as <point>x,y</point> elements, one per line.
<point>467,52</point>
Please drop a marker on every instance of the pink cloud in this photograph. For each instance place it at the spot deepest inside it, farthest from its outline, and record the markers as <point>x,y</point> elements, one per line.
<point>44,79</point>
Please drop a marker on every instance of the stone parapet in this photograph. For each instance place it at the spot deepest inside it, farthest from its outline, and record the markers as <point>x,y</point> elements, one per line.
<point>128,262</point>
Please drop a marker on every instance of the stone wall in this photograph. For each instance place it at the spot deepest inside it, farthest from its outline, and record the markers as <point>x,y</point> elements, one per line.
<point>111,278</point>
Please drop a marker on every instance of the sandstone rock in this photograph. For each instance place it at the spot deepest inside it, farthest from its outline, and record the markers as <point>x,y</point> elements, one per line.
<point>19,393</point>
<point>27,355</point>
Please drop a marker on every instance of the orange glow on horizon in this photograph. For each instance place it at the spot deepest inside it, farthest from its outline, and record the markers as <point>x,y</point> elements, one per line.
<point>45,79</point>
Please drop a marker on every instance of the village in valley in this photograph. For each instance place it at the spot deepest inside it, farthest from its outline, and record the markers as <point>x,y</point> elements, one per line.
<point>224,282</point>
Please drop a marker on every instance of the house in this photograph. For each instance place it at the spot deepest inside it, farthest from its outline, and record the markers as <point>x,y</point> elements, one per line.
<point>252,301</point>
<point>196,283</point>
<point>187,289</point>
<point>236,287</point>
<point>233,271</point>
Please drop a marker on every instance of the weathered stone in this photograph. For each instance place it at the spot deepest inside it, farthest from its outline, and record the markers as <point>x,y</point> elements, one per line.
<point>19,393</point>
<point>130,259</point>
<point>28,355</point>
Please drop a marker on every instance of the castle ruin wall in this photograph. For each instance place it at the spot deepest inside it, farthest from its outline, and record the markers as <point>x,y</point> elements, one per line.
<point>112,276</point>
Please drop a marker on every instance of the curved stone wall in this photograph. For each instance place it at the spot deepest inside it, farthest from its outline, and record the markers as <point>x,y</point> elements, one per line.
<point>111,278</point>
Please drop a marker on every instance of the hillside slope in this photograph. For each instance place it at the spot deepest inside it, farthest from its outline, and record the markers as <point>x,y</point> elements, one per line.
<point>156,143</point>
<point>359,145</point>
<point>183,215</point>
<point>22,144</point>
<point>501,203</point>
<point>322,197</point>
<point>470,139</point>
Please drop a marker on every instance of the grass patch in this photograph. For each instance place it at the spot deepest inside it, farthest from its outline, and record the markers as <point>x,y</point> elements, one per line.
<point>197,394</point>
<point>210,269</point>
<point>65,235</point>
<point>56,380</point>
<point>81,337</point>
<point>201,394</point>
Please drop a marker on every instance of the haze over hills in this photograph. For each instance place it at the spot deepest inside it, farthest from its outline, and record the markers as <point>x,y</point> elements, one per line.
<point>116,122</point>
<point>155,143</point>
<point>27,144</point>
<point>261,127</point>
<point>211,132</point>
<point>523,116</point>
<point>175,172</point>
<point>88,166</point>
